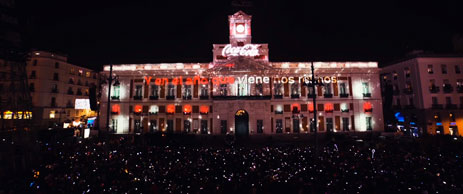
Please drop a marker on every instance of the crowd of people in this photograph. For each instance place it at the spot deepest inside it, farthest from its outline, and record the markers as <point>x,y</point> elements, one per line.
<point>124,166</point>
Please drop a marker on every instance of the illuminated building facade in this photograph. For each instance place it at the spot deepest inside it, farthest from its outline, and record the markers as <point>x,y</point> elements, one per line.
<point>55,86</point>
<point>426,91</point>
<point>241,92</point>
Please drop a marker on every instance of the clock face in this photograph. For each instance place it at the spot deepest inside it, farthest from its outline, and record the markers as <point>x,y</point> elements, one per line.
<point>240,28</point>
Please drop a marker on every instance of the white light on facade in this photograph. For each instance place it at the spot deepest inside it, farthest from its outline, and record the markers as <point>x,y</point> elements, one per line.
<point>82,104</point>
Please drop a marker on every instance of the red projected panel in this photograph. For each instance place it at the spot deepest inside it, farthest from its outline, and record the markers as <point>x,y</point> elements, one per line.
<point>187,109</point>
<point>367,107</point>
<point>170,109</point>
<point>204,109</point>
<point>116,109</point>
<point>138,108</point>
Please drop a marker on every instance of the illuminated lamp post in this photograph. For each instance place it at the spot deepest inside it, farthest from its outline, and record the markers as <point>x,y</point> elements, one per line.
<point>110,79</point>
<point>312,84</point>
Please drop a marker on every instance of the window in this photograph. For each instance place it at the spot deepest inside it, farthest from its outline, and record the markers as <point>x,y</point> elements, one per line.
<point>461,101</point>
<point>114,126</point>
<point>342,88</point>
<point>444,69</point>
<point>31,87</point>
<point>55,77</point>
<point>116,109</point>
<point>260,126</point>
<point>457,69</point>
<point>88,74</point>
<point>33,75</point>
<point>79,91</point>
<point>154,90</point>
<point>117,91</point>
<point>259,89</point>
<point>407,72</point>
<point>70,91</point>
<point>329,124</point>
<point>345,124</point>
<point>277,88</point>
<point>448,100</point>
<point>397,102</point>
<point>154,109</point>
<point>368,123</point>
<point>138,90</point>
<point>395,75</point>
<point>187,109</point>
<point>223,126</point>
<point>56,65</point>
<point>223,90</point>
<point>72,71</point>
<point>295,89</point>
<point>54,88</point>
<point>170,90</point>
<point>80,72</point>
<point>410,102</point>
<point>153,126</point>
<point>434,100</point>
<point>327,89</point>
<point>452,117</point>
<point>187,92</point>
<point>204,90</point>
<point>52,114</point>
<point>279,126</point>
<point>53,102</point>
<point>34,63</point>
<point>137,125</point>
<point>366,89</point>
<point>430,69</point>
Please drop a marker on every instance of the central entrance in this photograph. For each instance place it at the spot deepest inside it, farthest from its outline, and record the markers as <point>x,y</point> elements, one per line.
<point>241,123</point>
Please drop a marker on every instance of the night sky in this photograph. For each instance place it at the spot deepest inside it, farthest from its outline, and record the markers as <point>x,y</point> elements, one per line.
<point>99,32</point>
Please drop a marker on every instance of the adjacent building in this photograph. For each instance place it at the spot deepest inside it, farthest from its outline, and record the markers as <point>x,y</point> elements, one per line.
<point>242,92</point>
<point>425,91</point>
<point>56,86</point>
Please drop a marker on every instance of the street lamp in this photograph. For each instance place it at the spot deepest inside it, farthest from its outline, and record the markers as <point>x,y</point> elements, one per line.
<point>314,122</point>
<point>110,79</point>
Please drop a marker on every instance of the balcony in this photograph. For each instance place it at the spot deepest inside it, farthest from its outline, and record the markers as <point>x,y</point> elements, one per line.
<point>187,97</point>
<point>434,89</point>
<point>54,90</point>
<point>53,105</point>
<point>345,110</point>
<point>311,96</point>
<point>204,97</point>
<point>32,76</point>
<point>344,95</point>
<point>71,81</point>
<point>278,112</point>
<point>451,106</point>
<point>448,88</point>
<point>369,110</point>
<point>437,106</point>
<point>396,107</point>
<point>278,96</point>
<point>295,96</point>
<point>170,97</point>
<point>79,93</point>
<point>69,105</point>
<point>154,97</point>
<point>408,91</point>
<point>70,92</point>
<point>115,97</point>
<point>366,95</point>
<point>242,97</point>
<point>137,97</point>
<point>328,95</point>
<point>296,111</point>
<point>396,92</point>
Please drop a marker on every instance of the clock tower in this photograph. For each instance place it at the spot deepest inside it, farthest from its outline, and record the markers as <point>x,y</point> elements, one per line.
<point>240,28</point>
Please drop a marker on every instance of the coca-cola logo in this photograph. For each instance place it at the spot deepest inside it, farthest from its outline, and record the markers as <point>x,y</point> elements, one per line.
<point>250,50</point>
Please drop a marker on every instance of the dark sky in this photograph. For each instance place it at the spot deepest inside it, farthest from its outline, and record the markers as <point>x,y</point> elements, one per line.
<point>98,32</point>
